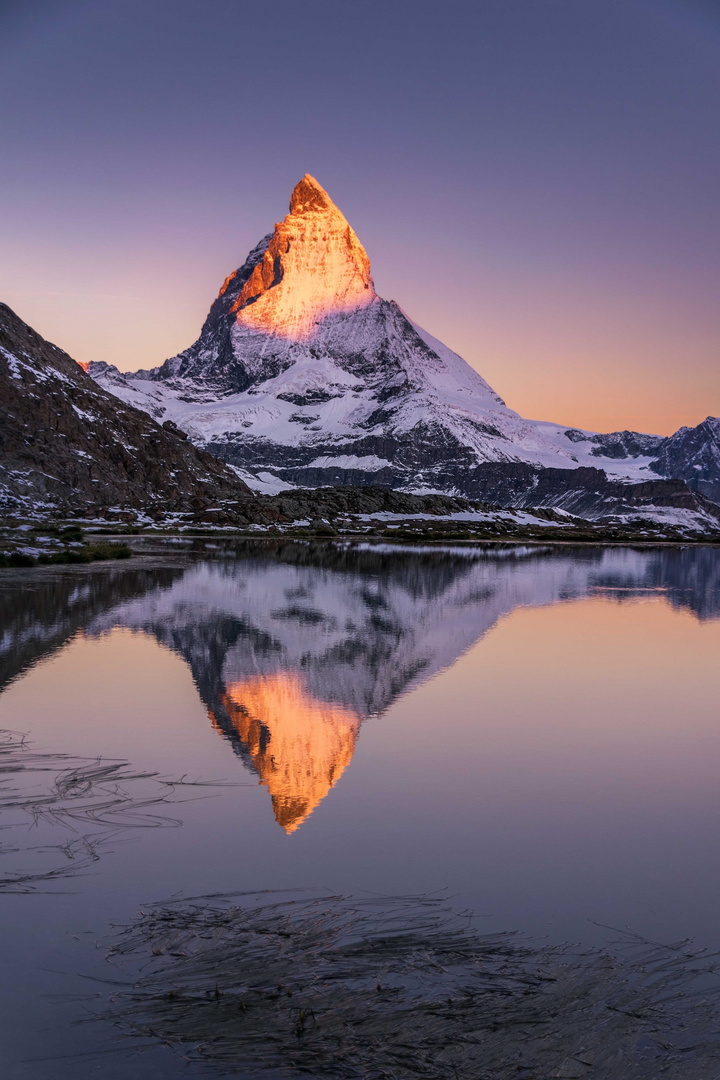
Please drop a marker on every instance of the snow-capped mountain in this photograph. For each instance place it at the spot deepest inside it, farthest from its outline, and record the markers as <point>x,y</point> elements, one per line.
<point>303,375</point>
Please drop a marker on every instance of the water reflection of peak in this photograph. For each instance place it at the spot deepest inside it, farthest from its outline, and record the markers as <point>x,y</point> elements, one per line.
<point>298,746</point>
<point>292,648</point>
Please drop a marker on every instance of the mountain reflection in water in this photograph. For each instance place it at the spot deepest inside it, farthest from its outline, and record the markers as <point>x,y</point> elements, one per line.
<point>292,646</point>
<point>299,746</point>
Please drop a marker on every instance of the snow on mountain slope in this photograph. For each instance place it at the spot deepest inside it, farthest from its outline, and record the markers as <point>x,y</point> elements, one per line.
<point>304,375</point>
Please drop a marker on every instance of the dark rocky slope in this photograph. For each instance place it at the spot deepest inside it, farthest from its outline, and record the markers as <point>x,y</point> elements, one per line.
<point>67,446</point>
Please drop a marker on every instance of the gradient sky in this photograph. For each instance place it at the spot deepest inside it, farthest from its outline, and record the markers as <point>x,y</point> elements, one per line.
<point>536,181</point>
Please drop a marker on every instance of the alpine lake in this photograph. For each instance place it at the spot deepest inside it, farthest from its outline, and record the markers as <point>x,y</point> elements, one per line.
<point>256,794</point>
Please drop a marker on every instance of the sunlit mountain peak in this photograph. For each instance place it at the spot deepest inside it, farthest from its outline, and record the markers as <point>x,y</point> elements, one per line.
<point>310,196</point>
<point>313,266</point>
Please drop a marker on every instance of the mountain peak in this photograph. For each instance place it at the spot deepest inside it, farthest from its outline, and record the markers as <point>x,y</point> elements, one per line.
<point>314,266</point>
<point>308,195</point>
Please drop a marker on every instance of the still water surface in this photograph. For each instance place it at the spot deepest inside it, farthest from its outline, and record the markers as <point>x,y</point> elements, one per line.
<point>535,731</point>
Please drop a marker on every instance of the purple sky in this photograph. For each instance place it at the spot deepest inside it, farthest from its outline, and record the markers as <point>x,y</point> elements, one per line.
<point>536,181</point>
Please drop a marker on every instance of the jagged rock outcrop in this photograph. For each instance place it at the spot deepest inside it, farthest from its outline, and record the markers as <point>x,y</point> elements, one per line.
<point>693,455</point>
<point>618,445</point>
<point>331,503</point>
<point>67,446</point>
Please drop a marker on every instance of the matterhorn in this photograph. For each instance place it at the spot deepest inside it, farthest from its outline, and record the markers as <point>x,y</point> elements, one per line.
<point>304,377</point>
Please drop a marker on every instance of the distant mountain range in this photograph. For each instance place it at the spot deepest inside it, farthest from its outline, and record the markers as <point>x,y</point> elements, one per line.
<point>304,376</point>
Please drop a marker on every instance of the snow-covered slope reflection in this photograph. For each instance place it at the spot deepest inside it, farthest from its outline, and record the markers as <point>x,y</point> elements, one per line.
<point>292,649</point>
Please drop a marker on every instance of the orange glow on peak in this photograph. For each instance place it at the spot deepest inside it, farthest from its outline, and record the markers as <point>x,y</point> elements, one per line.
<point>299,746</point>
<point>314,266</point>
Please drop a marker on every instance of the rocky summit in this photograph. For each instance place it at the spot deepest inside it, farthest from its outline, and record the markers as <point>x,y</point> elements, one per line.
<point>304,377</point>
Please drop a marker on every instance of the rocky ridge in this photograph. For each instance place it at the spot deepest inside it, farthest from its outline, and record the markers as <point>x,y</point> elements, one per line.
<point>693,455</point>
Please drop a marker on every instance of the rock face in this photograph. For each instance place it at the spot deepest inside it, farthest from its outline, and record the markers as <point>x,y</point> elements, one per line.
<point>67,446</point>
<point>313,266</point>
<point>693,455</point>
<point>304,376</point>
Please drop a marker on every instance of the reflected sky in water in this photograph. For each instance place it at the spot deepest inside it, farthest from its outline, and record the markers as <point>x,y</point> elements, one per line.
<point>536,731</point>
